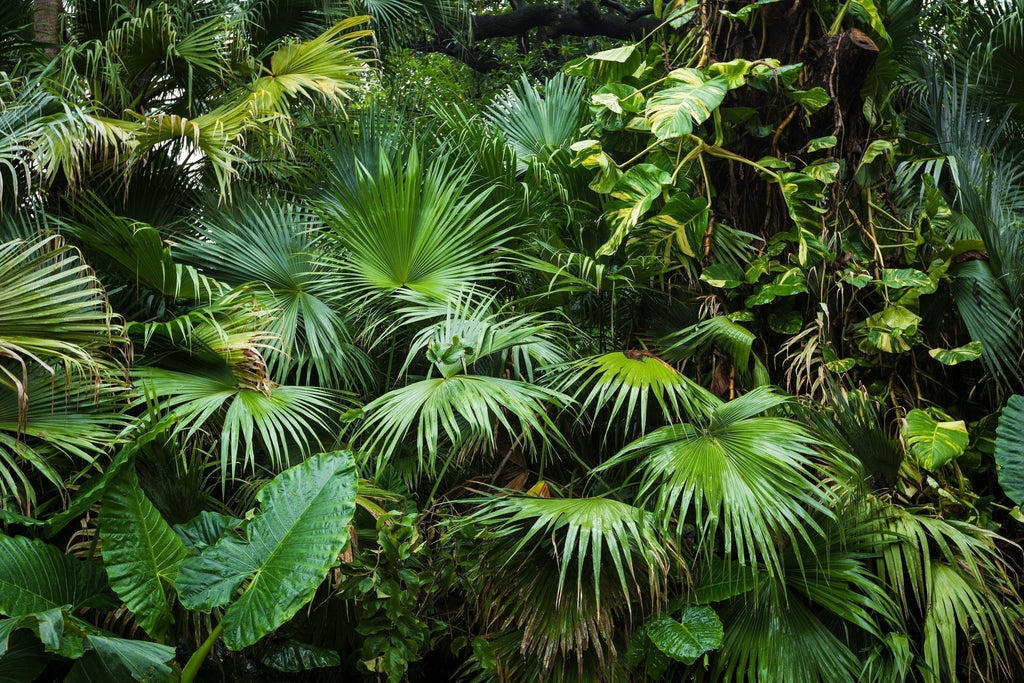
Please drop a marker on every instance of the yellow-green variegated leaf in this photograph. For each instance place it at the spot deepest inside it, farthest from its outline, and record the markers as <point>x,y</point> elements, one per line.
<point>960,354</point>
<point>934,442</point>
<point>674,111</point>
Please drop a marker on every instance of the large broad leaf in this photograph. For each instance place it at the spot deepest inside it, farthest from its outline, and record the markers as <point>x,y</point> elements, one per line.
<point>673,111</point>
<point>36,577</point>
<point>960,354</point>
<point>119,659</point>
<point>23,658</point>
<point>632,196</point>
<point>1010,449</point>
<point>608,66</point>
<point>933,442</point>
<point>290,547</point>
<point>205,529</point>
<point>697,631</point>
<point>140,550</point>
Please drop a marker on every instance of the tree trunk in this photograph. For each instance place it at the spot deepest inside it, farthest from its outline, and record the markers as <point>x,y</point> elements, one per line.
<point>46,20</point>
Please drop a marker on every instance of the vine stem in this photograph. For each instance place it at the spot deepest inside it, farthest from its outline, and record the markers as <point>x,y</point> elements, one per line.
<point>188,674</point>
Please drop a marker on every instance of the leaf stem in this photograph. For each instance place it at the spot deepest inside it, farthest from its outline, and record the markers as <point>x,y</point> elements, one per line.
<point>188,674</point>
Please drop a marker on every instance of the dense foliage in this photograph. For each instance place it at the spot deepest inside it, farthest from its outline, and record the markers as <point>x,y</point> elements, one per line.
<point>691,357</point>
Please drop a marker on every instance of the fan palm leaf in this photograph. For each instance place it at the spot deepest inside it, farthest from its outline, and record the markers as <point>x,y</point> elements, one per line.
<point>53,311</point>
<point>627,380</point>
<point>746,479</point>
<point>282,423</point>
<point>459,416</point>
<point>561,574</point>
<point>268,245</point>
<point>414,227</point>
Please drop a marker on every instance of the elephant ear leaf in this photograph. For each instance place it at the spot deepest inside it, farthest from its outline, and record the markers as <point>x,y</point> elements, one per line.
<point>697,631</point>
<point>36,577</point>
<point>140,550</point>
<point>289,548</point>
<point>1009,451</point>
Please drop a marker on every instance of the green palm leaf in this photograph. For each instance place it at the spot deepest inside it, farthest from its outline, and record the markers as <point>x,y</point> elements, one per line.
<point>140,551</point>
<point>269,244</point>
<point>284,422</point>
<point>52,310</point>
<point>536,122</point>
<point>414,227</point>
<point>749,479</point>
<point>287,551</point>
<point>631,379</point>
<point>463,411</point>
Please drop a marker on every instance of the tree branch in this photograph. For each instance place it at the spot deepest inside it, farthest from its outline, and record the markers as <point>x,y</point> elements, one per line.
<point>585,20</point>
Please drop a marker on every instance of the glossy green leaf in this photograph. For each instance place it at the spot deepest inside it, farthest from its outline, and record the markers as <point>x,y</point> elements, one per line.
<point>892,330</point>
<point>934,443</point>
<point>292,656</point>
<point>827,142</point>
<point>1009,452</point>
<point>674,111</point>
<point>697,631</point>
<point>787,283</point>
<point>140,551</point>
<point>608,66</point>
<point>289,548</point>
<point>811,100</point>
<point>22,657</point>
<point>119,659</point>
<point>960,354</point>
<point>618,98</point>
<point>205,529</point>
<point>36,577</point>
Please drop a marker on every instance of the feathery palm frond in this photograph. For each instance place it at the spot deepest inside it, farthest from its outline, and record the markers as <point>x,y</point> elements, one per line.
<point>734,339</point>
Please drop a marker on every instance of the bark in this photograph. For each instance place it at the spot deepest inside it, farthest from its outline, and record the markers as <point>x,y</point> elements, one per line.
<point>46,23</point>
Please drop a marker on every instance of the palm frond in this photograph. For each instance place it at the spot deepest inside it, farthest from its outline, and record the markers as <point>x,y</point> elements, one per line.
<point>53,312</point>
<point>460,416</point>
<point>269,245</point>
<point>537,121</point>
<point>274,426</point>
<point>415,227</point>
<point>634,379</point>
<point>566,577</point>
<point>745,479</point>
